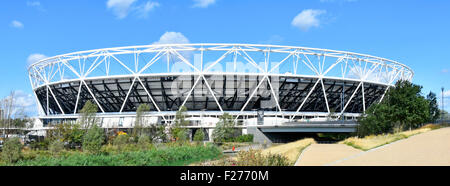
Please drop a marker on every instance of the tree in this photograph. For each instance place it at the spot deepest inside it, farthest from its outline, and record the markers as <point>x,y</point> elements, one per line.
<point>376,121</point>
<point>199,135</point>
<point>139,123</point>
<point>403,107</point>
<point>160,134</point>
<point>178,131</point>
<point>94,139</point>
<point>11,113</point>
<point>224,128</point>
<point>410,108</point>
<point>434,108</point>
<point>70,133</point>
<point>88,114</point>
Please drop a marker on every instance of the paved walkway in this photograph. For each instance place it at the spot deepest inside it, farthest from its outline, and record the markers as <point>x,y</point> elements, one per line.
<point>322,154</point>
<point>429,148</point>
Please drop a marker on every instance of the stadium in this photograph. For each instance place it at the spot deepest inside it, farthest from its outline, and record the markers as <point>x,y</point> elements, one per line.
<point>281,84</point>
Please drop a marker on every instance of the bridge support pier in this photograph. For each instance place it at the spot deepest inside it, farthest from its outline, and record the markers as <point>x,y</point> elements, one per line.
<point>258,135</point>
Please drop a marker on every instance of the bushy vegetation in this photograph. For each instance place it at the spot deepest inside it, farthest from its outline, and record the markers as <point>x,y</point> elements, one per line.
<point>56,146</point>
<point>71,134</point>
<point>253,158</point>
<point>141,147</point>
<point>94,139</point>
<point>12,150</point>
<point>402,108</point>
<point>257,158</point>
<point>121,140</point>
<point>224,130</point>
<point>177,131</point>
<point>144,142</point>
<point>199,135</point>
<point>167,156</point>
<point>246,138</point>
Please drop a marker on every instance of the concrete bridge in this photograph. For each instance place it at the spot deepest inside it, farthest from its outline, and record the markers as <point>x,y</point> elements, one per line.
<point>292,130</point>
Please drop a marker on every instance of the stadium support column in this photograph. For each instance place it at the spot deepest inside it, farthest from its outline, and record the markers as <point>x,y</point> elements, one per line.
<point>210,132</point>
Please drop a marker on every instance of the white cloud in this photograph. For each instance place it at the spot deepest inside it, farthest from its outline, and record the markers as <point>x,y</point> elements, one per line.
<point>36,4</point>
<point>121,8</point>
<point>176,38</point>
<point>172,38</point>
<point>203,3</point>
<point>33,58</point>
<point>17,24</point>
<point>23,99</point>
<point>307,19</point>
<point>144,9</point>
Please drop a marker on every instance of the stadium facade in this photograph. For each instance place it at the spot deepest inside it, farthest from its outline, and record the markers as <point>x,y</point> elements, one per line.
<point>282,83</point>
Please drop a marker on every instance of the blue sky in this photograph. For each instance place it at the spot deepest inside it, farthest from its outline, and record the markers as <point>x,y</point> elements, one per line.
<point>415,33</point>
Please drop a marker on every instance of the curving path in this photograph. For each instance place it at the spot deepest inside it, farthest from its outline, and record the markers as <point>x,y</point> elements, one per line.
<point>321,154</point>
<point>429,148</point>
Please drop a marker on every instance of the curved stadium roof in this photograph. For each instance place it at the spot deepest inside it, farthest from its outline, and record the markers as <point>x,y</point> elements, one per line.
<point>214,77</point>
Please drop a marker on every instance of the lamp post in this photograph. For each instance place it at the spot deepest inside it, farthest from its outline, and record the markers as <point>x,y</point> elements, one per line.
<point>442,112</point>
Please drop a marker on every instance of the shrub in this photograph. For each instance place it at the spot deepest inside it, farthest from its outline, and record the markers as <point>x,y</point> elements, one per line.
<point>144,142</point>
<point>12,150</point>
<point>244,138</point>
<point>121,139</point>
<point>256,158</point>
<point>159,134</point>
<point>56,146</point>
<point>93,140</point>
<point>40,145</point>
<point>67,132</point>
<point>241,138</point>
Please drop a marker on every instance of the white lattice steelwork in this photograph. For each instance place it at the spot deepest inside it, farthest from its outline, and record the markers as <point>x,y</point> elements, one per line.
<point>216,78</point>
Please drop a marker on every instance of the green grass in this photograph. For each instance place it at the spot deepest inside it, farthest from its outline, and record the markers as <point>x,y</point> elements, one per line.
<point>169,156</point>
